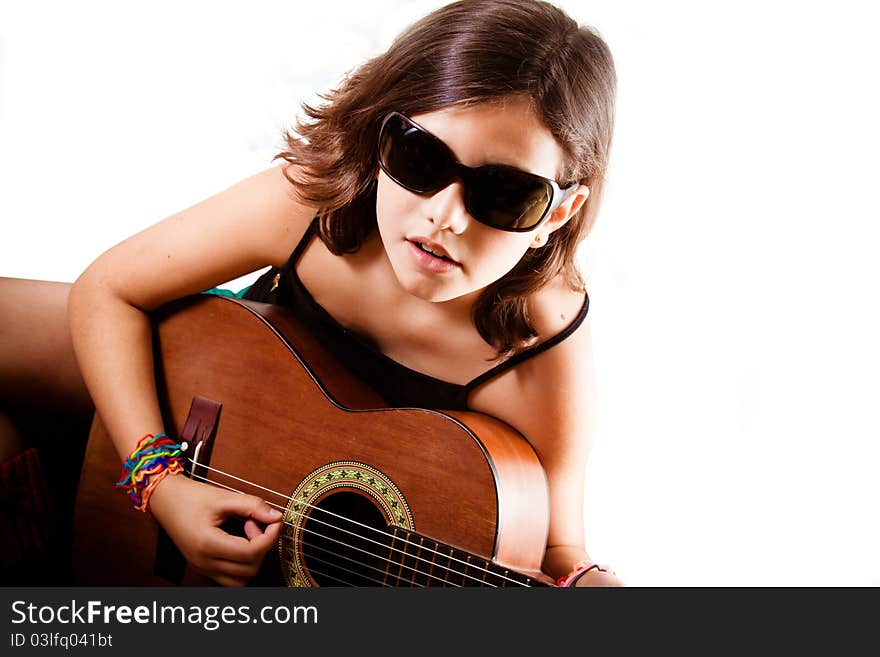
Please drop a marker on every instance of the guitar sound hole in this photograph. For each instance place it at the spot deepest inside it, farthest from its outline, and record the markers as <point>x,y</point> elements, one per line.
<point>346,542</point>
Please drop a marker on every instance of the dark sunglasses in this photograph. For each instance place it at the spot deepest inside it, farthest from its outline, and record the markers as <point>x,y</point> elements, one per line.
<point>494,194</point>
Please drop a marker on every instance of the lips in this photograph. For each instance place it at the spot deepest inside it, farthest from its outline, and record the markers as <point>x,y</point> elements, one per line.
<point>427,261</point>
<point>433,247</point>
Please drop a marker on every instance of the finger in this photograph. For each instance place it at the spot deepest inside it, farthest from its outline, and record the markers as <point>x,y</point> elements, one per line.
<point>244,570</point>
<point>266,539</point>
<point>226,580</point>
<point>252,529</point>
<point>220,545</point>
<point>225,568</point>
<point>226,573</point>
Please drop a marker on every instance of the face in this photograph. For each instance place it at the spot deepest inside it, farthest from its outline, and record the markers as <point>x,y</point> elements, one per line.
<point>475,255</point>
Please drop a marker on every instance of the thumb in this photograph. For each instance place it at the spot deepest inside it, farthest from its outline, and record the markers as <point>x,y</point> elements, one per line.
<point>249,506</point>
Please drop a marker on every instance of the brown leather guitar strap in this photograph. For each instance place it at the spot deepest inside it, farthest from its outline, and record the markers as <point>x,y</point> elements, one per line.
<point>198,432</point>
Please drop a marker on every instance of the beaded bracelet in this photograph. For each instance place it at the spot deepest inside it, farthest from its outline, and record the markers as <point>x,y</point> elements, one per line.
<point>152,459</point>
<point>580,569</point>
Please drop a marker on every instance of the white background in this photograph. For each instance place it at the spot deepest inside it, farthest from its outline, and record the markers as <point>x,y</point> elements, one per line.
<point>732,271</point>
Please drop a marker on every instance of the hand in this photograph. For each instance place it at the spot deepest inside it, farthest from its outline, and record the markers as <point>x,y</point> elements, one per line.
<point>192,512</point>
<point>598,577</point>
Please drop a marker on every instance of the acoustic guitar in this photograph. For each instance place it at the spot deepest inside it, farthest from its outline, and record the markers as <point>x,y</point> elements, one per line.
<point>371,495</point>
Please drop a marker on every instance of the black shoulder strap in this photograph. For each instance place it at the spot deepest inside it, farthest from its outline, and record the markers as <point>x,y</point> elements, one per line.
<point>532,351</point>
<point>267,287</point>
<point>303,243</point>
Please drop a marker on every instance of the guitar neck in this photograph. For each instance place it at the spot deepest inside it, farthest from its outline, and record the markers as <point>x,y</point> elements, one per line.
<point>416,560</point>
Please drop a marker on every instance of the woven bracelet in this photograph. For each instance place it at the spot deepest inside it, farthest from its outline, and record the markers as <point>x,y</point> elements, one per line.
<point>154,457</point>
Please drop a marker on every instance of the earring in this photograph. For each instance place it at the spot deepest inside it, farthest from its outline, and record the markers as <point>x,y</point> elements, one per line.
<point>539,240</point>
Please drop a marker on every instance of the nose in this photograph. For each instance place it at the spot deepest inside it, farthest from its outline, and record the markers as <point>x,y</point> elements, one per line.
<point>446,208</point>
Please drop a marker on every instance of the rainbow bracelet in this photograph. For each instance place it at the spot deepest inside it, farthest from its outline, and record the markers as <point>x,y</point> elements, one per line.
<point>153,458</point>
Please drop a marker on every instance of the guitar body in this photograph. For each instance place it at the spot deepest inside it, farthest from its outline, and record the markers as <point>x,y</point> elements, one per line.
<point>429,498</point>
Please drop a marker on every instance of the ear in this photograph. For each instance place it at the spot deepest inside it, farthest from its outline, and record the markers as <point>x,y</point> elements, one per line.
<point>566,210</point>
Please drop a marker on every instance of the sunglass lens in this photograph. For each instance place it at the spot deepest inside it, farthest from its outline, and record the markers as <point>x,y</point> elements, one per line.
<point>413,157</point>
<point>506,198</point>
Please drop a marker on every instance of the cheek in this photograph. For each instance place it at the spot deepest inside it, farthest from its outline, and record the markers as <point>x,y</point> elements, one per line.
<point>391,200</point>
<point>499,252</point>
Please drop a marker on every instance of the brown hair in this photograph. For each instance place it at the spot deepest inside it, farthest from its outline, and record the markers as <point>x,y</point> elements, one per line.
<point>467,52</point>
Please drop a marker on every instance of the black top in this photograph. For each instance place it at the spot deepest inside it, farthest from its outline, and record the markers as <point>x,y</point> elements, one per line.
<point>397,384</point>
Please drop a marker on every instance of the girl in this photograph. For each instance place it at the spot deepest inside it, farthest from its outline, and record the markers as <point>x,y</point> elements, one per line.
<point>446,184</point>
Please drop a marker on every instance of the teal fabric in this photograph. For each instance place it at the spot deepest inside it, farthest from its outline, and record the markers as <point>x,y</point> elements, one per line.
<point>221,292</point>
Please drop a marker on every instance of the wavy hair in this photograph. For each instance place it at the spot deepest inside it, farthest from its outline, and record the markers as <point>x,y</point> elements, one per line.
<point>466,52</point>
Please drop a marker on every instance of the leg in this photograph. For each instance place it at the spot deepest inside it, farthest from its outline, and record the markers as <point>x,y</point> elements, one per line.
<point>44,404</point>
<point>43,400</point>
<point>37,363</point>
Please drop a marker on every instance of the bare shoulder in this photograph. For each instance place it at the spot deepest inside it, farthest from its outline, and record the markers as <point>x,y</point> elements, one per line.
<point>262,214</point>
<point>557,376</point>
<point>553,308</point>
<point>254,223</point>
<point>556,387</point>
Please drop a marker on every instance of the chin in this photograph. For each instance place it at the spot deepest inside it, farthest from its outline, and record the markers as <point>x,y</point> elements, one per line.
<point>428,290</point>
<point>428,287</point>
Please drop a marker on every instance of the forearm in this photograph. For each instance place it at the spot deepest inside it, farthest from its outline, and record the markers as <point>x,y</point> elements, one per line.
<point>560,559</point>
<point>113,344</point>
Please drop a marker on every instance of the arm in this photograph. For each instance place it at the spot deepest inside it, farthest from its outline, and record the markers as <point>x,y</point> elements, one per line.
<point>557,416</point>
<point>240,230</point>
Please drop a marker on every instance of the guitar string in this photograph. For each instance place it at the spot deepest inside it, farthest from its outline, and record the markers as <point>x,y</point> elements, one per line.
<point>353,572</point>
<point>342,581</point>
<point>318,572</point>
<point>415,570</point>
<point>355,522</point>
